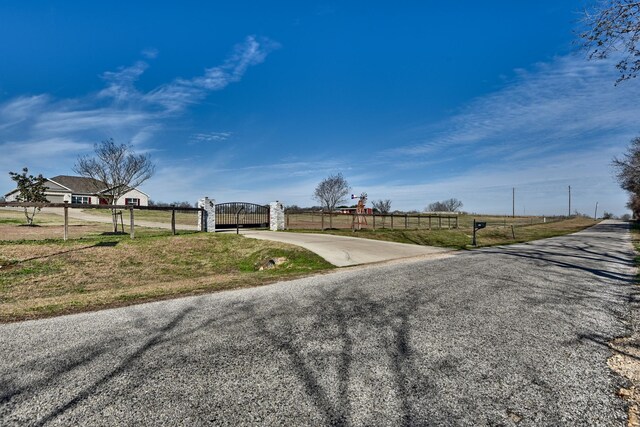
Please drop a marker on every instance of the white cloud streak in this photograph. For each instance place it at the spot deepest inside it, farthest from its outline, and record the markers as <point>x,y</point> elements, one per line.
<point>41,129</point>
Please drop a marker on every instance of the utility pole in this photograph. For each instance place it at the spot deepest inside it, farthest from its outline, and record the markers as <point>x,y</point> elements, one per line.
<point>595,215</point>
<point>569,201</point>
<point>513,202</point>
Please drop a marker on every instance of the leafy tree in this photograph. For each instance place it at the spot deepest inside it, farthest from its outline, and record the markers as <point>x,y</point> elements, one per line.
<point>30,189</point>
<point>117,168</point>
<point>449,205</point>
<point>331,191</point>
<point>614,26</point>
<point>382,206</point>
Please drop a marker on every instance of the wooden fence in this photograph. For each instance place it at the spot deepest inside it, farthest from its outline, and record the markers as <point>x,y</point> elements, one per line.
<point>324,220</point>
<point>119,208</point>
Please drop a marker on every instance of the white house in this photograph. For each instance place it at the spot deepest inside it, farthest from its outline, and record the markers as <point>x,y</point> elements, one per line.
<point>85,191</point>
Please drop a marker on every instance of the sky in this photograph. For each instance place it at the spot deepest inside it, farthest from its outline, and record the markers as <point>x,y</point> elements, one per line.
<point>255,101</point>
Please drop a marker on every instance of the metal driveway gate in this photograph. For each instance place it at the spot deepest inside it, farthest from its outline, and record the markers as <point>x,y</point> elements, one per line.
<point>241,214</point>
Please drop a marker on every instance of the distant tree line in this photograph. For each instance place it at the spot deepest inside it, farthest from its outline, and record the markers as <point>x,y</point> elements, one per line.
<point>449,205</point>
<point>171,205</point>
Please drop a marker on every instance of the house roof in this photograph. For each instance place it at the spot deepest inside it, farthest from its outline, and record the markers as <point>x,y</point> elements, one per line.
<point>79,184</point>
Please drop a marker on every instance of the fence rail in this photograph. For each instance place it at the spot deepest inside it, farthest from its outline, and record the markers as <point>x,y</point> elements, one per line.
<point>324,220</point>
<point>120,208</point>
<point>88,206</point>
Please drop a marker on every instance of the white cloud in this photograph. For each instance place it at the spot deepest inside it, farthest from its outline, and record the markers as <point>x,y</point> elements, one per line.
<point>182,92</point>
<point>210,136</point>
<point>121,83</point>
<point>150,53</point>
<point>50,133</point>
<point>553,106</point>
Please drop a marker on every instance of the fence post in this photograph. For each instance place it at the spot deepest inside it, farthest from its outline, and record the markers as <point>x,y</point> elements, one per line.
<point>374,222</point>
<point>456,222</point>
<point>131,228</point>
<point>418,221</point>
<point>392,221</point>
<point>405,221</point>
<point>449,223</point>
<point>439,222</point>
<point>429,222</point>
<point>322,220</point>
<point>173,221</point>
<point>66,220</point>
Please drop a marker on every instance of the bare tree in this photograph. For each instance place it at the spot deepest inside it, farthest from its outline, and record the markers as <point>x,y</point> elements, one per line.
<point>628,173</point>
<point>331,191</point>
<point>117,168</point>
<point>449,205</point>
<point>30,189</point>
<point>614,26</point>
<point>382,206</point>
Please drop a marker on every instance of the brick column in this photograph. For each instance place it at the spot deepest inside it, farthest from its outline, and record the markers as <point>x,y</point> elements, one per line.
<point>208,222</point>
<point>276,216</point>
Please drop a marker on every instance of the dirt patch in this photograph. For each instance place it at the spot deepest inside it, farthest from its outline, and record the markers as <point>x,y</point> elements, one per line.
<point>43,232</point>
<point>626,362</point>
<point>626,359</point>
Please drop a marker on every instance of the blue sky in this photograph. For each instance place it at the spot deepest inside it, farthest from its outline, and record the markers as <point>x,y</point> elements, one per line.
<point>259,101</point>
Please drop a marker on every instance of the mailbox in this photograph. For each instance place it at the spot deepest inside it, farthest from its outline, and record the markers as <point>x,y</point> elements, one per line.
<point>479,225</point>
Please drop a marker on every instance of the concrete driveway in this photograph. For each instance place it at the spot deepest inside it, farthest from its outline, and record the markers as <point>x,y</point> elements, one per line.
<point>344,251</point>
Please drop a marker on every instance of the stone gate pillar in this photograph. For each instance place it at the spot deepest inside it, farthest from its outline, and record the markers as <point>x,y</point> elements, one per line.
<point>207,218</point>
<point>276,216</point>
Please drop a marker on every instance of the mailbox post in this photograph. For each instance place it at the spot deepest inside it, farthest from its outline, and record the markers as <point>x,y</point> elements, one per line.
<point>477,225</point>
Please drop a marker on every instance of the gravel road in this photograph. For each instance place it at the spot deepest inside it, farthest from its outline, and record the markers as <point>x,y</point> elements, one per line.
<point>503,336</point>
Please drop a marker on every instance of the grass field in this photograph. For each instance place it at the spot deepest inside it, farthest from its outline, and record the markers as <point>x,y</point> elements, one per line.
<point>50,226</point>
<point>41,275</point>
<point>460,238</point>
<point>184,218</point>
<point>316,220</point>
<point>45,278</point>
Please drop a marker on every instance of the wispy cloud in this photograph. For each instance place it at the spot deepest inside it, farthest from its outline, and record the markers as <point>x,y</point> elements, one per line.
<point>181,92</point>
<point>550,107</point>
<point>42,125</point>
<point>210,137</point>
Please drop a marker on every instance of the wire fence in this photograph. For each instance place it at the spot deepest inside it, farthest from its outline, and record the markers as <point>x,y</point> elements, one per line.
<point>336,220</point>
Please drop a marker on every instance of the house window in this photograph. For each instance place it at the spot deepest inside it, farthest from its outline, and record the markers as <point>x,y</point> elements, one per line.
<point>83,200</point>
<point>132,202</point>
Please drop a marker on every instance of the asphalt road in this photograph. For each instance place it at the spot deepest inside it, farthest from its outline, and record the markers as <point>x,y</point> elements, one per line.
<point>503,336</point>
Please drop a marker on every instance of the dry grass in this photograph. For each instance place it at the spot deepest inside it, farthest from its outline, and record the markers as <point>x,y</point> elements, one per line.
<point>316,220</point>
<point>461,238</point>
<point>39,279</point>
<point>626,359</point>
<point>50,227</point>
<point>183,218</point>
